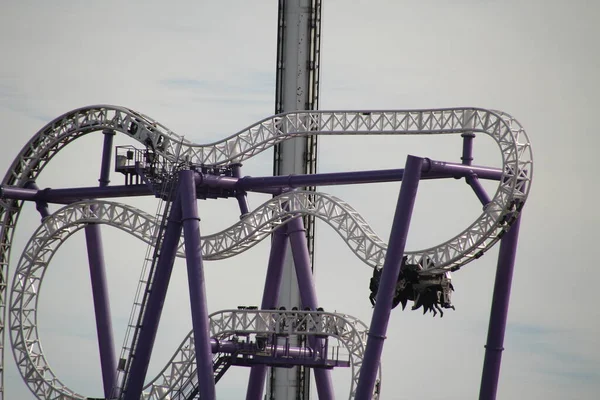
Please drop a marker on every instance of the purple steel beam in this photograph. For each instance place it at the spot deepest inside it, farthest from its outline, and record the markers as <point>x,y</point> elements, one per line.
<point>431,169</point>
<point>193,256</point>
<point>499,313</point>
<point>104,329</point>
<point>65,196</point>
<point>275,268</point>
<point>40,205</point>
<point>467,150</point>
<point>308,294</point>
<point>479,190</point>
<point>104,180</point>
<point>241,196</point>
<point>231,183</point>
<point>269,185</point>
<point>270,298</point>
<point>389,277</point>
<point>230,347</point>
<point>472,179</point>
<point>93,238</point>
<point>154,306</point>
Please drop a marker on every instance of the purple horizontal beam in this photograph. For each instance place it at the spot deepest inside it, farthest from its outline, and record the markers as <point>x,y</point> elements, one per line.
<point>455,170</point>
<point>431,170</point>
<point>271,185</point>
<point>231,183</point>
<point>230,347</point>
<point>65,196</point>
<point>288,362</point>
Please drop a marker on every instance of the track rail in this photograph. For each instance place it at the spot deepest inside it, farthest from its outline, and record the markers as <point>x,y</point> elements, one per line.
<point>497,216</point>
<point>58,227</point>
<point>223,324</point>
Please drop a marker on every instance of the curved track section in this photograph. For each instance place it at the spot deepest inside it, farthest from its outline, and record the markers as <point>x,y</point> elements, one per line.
<point>58,227</point>
<point>223,324</point>
<point>467,245</point>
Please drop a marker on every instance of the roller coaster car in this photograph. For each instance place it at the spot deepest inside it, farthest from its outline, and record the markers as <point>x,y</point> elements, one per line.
<point>432,292</point>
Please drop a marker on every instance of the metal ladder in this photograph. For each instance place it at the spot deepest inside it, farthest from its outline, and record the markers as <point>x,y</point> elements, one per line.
<point>165,193</point>
<point>221,363</point>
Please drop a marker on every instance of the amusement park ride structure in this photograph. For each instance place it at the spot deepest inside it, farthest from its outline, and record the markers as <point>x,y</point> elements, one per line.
<point>179,173</point>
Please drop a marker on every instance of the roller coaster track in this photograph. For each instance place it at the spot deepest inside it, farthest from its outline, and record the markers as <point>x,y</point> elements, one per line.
<point>58,227</point>
<point>349,330</point>
<point>504,207</point>
<point>62,224</point>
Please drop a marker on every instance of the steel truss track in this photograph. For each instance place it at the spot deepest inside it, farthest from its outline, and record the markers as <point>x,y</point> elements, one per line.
<point>496,218</point>
<point>226,323</point>
<point>58,227</point>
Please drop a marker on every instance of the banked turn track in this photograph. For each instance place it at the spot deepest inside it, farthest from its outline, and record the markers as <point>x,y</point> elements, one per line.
<point>471,243</point>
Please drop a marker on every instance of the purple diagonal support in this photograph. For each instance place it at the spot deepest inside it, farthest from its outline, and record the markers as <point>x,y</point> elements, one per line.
<point>154,305</point>
<point>389,278</point>
<point>499,313</point>
<point>479,190</point>
<point>93,240</point>
<point>104,330</point>
<point>269,300</point>
<point>308,295</point>
<point>193,256</point>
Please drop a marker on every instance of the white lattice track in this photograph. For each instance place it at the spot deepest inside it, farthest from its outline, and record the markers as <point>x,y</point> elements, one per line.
<point>513,189</point>
<point>223,324</point>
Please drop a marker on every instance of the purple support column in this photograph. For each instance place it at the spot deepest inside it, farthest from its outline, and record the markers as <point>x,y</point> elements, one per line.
<point>389,277</point>
<point>499,313</point>
<point>193,256</point>
<point>93,240</point>
<point>308,295</point>
<point>472,179</point>
<point>275,268</point>
<point>104,180</point>
<point>104,330</point>
<point>467,153</point>
<point>154,305</point>
<point>241,196</point>
<point>270,297</point>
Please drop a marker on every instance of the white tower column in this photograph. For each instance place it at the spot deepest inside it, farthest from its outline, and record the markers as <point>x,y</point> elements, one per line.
<point>298,49</point>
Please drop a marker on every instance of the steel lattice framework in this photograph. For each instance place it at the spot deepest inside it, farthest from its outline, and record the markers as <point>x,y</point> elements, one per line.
<point>58,227</point>
<point>226,323</point>
<point>513,188</point>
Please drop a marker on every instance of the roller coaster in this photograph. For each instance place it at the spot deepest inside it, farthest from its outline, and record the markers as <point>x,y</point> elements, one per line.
<point>178,173</point>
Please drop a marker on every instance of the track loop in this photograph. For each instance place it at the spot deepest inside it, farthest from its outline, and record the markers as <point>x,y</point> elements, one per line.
<point>469,244</point>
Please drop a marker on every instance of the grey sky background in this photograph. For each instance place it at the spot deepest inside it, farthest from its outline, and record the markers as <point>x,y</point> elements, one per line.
<point>207,70</point>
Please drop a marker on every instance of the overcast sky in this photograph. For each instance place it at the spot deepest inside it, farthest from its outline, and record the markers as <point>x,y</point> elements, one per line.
<point>207,70</point>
